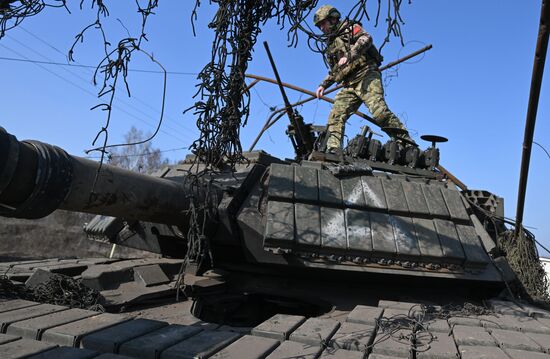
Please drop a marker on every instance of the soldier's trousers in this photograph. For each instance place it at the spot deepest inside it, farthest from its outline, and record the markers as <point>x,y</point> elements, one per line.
<point>368,91</point>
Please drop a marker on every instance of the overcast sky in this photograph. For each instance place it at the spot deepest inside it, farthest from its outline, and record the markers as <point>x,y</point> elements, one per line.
<point>472,87</point>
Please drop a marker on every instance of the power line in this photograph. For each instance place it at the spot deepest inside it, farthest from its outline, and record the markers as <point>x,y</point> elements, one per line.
<point>86,66</point>
<point>85,90</point>
<point>92,67</point>
<point>269,107</point>
<point>130,105</point>
<point>544,149</point>
<point>176,122</point>
<point>38,62</point>
<point>47,58</point>
<point>91,93</point>
<point>43,41</point>
<point>118,98</point>
<point>51,72</point>
<point>144,154</point>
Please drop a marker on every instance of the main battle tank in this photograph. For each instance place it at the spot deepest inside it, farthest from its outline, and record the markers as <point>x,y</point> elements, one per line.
<point>373,210</point>
<point>345,255</point>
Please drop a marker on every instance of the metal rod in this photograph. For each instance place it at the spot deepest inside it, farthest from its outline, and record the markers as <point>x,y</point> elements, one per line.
<point>330,90</point>
<point>307,92</point>
<point>313,96</point>
<point>251,85</point>
<point>453,178</point>
<point>284,84</point>
<point>304,143</point>
<point>268,123</point>
<point>279,82</point>
<point>405,58</point>
<point>534,95</point>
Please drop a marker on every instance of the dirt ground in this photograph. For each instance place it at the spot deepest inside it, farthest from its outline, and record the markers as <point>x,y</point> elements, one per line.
<point>59,235</point>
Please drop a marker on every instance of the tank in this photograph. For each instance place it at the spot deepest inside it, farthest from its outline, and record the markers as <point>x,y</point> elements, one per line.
<point>358,253</point>
<point>376,209</point>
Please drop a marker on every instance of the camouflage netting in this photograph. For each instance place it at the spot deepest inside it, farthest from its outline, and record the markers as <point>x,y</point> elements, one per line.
<point>414,326</point>
<point>13,12</point>
<point>521,251</point>
<point>58,290</point>
<point>223,102</point>
<point>222,105</point>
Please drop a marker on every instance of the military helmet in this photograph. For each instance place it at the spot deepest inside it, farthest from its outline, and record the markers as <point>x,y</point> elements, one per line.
<point>325,12</point>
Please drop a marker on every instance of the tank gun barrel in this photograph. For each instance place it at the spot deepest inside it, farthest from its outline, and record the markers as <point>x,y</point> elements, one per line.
<point>37,178</point>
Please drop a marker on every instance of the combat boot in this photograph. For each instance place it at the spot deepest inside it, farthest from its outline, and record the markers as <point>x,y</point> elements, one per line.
<point>406,139</point>
<point>399,134</point>
<point>334,154</point>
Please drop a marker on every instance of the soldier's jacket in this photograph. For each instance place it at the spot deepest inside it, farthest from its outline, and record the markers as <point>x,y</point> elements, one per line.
<point>350,40</point>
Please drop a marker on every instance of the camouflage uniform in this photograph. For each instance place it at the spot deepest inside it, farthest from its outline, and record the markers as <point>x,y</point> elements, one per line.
<point>361,78</point>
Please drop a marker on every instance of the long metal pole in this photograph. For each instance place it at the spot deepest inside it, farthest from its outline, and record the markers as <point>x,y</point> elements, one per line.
<point>405,58</point>
<point>313,96</point>
<point>536,82</point>
<point>307,92</point>
<point>453,178</point>
<point>303,139</point>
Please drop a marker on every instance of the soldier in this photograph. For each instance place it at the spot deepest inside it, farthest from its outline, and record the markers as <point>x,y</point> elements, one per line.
<point>354,61</point>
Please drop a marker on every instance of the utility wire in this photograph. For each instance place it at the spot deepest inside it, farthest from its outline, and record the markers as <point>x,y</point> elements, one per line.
<point>144,154</point>
<point>86,90</point>
<point>44,42</point>
<point>93,67</point>
<point>177,122</point>
<point>39,62</point>
<point>544,149</point>
<point>129,104</point>
<point>118,98</point>
<point>269,107</point>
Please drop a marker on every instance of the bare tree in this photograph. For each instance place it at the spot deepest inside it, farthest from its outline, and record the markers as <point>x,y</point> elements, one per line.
<point>141,157</point>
